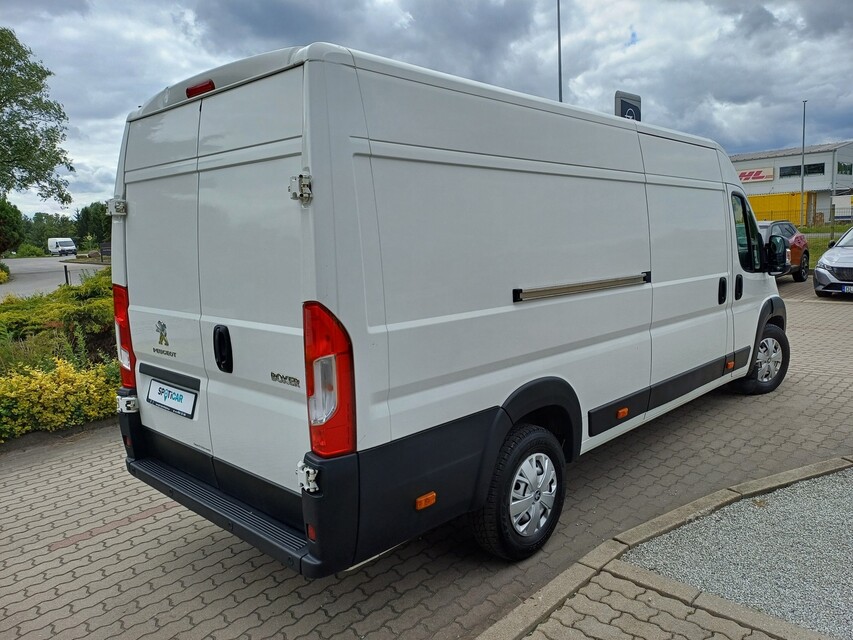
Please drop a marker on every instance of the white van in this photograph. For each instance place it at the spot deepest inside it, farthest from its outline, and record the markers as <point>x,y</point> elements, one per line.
<point>61,247</point>
<point>356,299</point>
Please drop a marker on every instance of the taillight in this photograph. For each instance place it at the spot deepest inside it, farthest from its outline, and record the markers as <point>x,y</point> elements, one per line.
<point>126,357</point>
<point>198,89</point>
<point>329,382</point>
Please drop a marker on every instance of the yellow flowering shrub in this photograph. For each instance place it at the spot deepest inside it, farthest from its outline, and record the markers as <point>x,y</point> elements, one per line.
<point>47,400</point>
<point>4,277</point>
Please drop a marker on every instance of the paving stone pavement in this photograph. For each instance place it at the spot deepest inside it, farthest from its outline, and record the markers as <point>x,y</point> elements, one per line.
<point>87,551</point>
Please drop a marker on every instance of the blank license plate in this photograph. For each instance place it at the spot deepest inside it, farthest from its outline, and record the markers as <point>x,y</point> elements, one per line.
<point>171,398</point>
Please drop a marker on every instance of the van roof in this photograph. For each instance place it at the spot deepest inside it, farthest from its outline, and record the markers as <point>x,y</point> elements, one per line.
<point>249,69</point>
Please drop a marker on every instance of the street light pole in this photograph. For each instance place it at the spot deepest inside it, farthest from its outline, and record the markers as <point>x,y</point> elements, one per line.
<point>559,55</point>
<point>803,169</point>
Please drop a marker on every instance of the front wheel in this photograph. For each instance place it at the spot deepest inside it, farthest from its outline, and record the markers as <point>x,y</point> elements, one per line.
<point>525,497</point>
<point>770,363</point>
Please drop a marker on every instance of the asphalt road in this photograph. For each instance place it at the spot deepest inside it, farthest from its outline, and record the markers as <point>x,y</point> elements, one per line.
<point>87,551</point>
<point>41,275</point>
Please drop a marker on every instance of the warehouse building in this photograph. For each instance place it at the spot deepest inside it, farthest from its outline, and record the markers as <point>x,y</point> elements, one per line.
<point>771,180</point>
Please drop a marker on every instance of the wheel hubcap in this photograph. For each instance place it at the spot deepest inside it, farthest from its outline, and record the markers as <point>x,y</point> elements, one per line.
<point>769,359</point>
<point>533,492</point>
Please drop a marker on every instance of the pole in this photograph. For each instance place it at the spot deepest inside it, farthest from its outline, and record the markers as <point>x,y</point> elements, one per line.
<point>803,170</point>
<point>559,56</point>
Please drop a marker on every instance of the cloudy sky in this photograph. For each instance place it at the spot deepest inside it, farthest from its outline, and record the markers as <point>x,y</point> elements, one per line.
<point>736,71</point>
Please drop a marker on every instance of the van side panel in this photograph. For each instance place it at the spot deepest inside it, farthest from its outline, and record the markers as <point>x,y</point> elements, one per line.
<point>469,184</point>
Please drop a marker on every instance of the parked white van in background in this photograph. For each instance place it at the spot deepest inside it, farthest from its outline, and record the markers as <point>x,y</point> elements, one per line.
<point>356,299</point>
<point>61,247</point>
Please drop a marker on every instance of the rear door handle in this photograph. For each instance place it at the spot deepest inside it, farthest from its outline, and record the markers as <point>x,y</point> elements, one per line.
<point>738,287</point>
<point>722,292</point>
<point>222,348</point>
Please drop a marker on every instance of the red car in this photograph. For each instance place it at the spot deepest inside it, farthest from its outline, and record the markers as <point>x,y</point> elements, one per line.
<point>799,245</point>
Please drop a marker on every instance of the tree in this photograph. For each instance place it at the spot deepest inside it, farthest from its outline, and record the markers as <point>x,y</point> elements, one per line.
<point>49,225</point>
<point>32,126</point>
<point>11,226</point>
<point>93,221</point>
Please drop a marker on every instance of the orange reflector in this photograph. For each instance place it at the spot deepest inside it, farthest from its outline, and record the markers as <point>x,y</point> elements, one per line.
<point>312,532</point>
<point>426,500</point>
<point>622,413</point>
<point>198,89</point>
<point>730,364</point>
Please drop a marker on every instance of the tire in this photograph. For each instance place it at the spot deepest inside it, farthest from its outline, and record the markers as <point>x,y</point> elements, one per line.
<point>770,363</point>
<point>528,473</point>
<point>803,273</point>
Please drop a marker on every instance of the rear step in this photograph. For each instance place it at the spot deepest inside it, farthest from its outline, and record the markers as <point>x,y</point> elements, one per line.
<point>282,542</point>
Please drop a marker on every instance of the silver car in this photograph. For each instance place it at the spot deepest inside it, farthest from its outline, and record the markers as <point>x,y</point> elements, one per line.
<point>834,271</point>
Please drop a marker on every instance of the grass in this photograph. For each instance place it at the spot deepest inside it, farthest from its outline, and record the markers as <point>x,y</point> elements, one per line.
<point>827,228</point>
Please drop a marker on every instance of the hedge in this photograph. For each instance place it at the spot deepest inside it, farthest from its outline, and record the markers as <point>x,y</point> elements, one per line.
<point>65,396</point>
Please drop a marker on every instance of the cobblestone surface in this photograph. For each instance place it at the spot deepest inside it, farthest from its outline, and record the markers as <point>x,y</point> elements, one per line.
<point>88,551</point>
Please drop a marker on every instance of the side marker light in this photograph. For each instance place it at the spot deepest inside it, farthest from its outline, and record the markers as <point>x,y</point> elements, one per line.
<point>424,501</point>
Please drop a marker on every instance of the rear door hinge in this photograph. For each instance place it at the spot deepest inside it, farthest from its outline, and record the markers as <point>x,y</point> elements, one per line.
<point>300,188</point>
<point>117,207</point>
<point>307,477</point>
<point>127,404</point>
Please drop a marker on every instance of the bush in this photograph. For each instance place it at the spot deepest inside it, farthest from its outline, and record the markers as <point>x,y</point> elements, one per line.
<point>87,307</point>
<point>35,400</point>
<point>4,277</point>
<point>4,268</point>
<point>29,251</point>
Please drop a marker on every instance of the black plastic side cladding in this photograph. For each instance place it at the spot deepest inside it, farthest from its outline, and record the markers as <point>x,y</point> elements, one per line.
<point>446,459</point>
<point>548,392</point>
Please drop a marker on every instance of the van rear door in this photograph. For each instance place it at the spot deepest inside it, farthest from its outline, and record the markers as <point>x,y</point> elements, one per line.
<point>253,271</point>
<point>161,185</point>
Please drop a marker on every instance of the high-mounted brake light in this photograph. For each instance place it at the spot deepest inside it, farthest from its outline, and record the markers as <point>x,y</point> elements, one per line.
<point>126,357</point>
<point>329,382</point>
<point>198,89</point>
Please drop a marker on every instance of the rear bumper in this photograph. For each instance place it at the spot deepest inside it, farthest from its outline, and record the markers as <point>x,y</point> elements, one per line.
<point>365,503</point>
<point>266,516</point>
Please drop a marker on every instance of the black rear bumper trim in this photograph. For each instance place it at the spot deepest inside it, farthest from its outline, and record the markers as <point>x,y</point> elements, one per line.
<point>273,538</point>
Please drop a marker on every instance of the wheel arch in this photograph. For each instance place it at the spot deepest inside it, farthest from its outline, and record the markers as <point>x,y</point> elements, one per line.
<point>550,403</point>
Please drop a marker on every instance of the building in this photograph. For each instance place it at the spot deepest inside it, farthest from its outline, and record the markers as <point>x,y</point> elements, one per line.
<point>771,180</point>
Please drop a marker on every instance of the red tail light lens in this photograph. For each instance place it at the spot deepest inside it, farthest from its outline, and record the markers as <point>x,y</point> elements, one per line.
<point>198,89</point>
<point>329,382</point>
<point>126,357</point>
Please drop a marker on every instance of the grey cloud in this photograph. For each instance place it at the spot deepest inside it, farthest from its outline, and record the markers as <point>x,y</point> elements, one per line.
<point>15,10</point>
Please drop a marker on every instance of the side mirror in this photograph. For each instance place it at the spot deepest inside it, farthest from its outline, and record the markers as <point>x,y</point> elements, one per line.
<point>831,244</point>
<point>778,252</point>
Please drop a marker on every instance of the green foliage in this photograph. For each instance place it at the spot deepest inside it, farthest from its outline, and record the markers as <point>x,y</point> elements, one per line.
<point>32,126</point>
<point>4,277</point>
<point>87,307</point>
<point>28,250</point>
<point>48,225</point>
<point>4,268</point>
<point>11,225</point>
<point>56,398</point>
<point>93,225</point>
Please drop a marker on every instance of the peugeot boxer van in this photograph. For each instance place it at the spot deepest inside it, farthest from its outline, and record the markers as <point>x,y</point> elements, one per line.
<point>356,299</point>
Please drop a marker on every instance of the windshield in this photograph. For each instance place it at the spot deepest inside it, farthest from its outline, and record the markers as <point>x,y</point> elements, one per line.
<point>846,240</point>
<point>65,243</point>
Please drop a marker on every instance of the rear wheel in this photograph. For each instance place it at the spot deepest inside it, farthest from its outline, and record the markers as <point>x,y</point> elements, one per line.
<point>770,364</point>
<point>803,273</point>
<point>525,497</point>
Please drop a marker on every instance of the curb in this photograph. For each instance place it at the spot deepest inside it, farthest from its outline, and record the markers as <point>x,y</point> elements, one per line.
<point>44,438</point>
<point>605,557</point>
